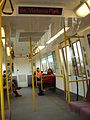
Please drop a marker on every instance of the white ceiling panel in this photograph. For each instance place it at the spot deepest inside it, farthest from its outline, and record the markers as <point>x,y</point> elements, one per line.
<point>22,27</point>
<point>35,36</point>
<point>71,4</point>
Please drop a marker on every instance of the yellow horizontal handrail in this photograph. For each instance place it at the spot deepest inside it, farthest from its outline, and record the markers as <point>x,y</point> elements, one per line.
<point>61,75</point>
<point>57,75</point>
<point>78,80</point>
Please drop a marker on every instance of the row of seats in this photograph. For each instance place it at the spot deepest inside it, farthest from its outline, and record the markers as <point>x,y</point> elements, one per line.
<point>49,80</point>
<point>82,108</point>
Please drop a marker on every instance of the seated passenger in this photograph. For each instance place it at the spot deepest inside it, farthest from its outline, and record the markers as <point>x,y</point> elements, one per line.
<point>15,88</point>
<point>48,80</point>
<point>50,76</point>
<point>14,85</point>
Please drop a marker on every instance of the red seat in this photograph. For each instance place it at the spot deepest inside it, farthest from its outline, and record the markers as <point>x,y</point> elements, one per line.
<point>76,106</point>
<point>85,112</point>
<point>49,80</point>
<point>82,107</point>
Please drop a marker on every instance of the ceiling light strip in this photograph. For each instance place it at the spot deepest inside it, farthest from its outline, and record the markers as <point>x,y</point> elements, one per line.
<point>57,35</point>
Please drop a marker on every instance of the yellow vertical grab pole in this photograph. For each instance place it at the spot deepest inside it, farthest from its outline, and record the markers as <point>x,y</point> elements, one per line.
<point>67,77</point>
<point>33,90</point>
<point>35,72</point>
<point>1,80</point>
<point>11,69</point>
<point>40,70</point>
<point>35,67</point>
<point>6,60</point>
<point>11,50</point>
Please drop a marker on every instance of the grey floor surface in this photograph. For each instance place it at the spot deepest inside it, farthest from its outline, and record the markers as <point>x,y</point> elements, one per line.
<point>48,107</point>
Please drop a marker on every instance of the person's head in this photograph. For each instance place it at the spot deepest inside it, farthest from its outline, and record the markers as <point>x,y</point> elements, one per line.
<point>38,69</point>
<point>4,72</point>
<point>50,71</point>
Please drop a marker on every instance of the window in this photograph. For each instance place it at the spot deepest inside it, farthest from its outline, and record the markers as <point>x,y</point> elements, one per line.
<point>44,64</point>
<point>69,53</point>
<point>50,62</point>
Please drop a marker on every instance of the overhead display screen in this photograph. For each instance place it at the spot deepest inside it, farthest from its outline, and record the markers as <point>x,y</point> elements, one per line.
<point>39,10</point>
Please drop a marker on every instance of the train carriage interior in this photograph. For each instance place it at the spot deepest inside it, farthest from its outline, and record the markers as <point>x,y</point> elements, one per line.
<point>44,59</point>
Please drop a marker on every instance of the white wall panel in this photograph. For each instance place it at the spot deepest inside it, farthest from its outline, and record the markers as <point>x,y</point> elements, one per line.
<point>22,67</point>
<point>59,83</point>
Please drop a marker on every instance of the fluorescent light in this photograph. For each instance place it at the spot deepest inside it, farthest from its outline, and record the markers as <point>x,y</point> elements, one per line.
<point>41,47</point>
<point>57,35</point>
<point>8,51</point>
<point>88,2</point>
<point>3,32</point>
<point>33,54</point>
<point>36,51</point>
<point>3,41</point>
<point>83,10</point>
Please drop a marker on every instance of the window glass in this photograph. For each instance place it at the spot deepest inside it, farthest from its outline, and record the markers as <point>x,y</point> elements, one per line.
<point>75,50</point>
<point>50,62</point>
<point>69,51</point>
<point>44,64</point>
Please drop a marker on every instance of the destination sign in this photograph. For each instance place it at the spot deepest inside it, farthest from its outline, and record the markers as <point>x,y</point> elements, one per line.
<point>40,10</point>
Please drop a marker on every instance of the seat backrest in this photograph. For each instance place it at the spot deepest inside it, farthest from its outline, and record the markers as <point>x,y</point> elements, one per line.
<point>88,93</point>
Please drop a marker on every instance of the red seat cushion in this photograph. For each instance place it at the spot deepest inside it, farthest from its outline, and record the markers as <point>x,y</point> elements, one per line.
<point>85,112</point>
<point>88,93</point>
<point>76,106</point>
<point>48,79</point>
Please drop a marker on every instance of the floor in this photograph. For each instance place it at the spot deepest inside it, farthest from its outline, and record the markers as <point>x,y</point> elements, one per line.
<point>48,107</point>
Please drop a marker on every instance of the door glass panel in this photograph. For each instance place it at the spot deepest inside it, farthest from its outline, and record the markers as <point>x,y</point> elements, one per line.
<point>80,55</point>
<point>68,57</point>
<point>77,49</point>
<point>62,61</point>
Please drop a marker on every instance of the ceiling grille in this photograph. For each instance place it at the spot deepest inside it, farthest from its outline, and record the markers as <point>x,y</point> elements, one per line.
<point>35,36</point>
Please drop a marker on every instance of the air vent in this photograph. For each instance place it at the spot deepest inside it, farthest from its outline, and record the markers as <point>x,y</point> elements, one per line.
<point>35,36</point>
